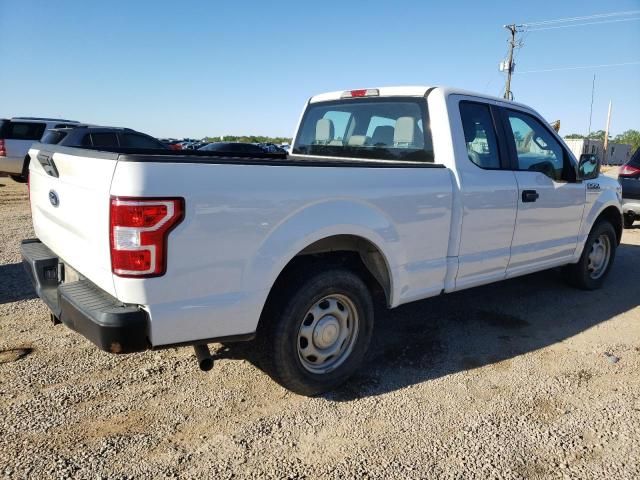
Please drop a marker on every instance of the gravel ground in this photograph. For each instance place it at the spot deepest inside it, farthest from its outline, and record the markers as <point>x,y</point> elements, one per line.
<point>526,378</point>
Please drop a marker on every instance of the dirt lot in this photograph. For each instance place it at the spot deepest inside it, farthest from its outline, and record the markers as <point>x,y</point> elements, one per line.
<point>527,378</point>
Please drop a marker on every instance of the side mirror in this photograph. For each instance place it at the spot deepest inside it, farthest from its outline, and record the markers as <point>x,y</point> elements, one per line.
<point>589,166</point>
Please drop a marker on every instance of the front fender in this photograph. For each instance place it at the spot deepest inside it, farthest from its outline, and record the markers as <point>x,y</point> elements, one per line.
<point>597,201</point>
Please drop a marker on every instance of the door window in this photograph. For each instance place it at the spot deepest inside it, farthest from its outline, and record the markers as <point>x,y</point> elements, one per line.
<point>479,135</point>
<point>536,149</point>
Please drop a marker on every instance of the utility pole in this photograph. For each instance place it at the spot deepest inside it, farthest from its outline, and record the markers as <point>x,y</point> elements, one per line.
<point>606,135</point>
<point>593,89</point>
<point>508,94</point>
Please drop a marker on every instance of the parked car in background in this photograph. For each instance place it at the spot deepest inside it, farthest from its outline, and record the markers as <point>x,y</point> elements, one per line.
<point>408,191</point>
<point>88,136</point>
<point>171,143</point>
<point>233,147</point>
<point>16,137</point>
<point>271,148</point>
<point>629,178</point>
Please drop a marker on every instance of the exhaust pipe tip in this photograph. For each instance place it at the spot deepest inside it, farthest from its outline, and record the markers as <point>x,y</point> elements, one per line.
<point>203,356</point>
<point>206,364</point>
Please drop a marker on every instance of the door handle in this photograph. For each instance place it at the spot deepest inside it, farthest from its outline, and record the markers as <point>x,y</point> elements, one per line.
<point>529,196</point>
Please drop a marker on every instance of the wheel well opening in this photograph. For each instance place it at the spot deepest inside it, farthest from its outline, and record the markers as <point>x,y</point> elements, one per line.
<point>350,251</point>
<point>613,216</point>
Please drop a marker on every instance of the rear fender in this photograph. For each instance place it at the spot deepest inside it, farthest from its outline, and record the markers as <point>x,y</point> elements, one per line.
<point>316,222</point>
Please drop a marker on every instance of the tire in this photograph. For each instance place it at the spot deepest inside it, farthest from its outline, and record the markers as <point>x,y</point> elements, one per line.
<point>318,312</point>
<point>594,264</point>
<point>18,178</point>
<point>628,221</point>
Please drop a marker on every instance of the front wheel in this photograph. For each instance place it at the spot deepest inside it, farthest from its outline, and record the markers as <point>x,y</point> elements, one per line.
<point>317,336</point>
<point>596,259</point>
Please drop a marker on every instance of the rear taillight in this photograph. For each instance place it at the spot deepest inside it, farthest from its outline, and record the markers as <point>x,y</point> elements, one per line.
<point>138,232</point>
<point>3,148</point>
<point>628,171</point>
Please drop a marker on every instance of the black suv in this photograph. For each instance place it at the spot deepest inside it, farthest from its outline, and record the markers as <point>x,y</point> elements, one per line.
<point>97,137</point>
<point>629,178</point>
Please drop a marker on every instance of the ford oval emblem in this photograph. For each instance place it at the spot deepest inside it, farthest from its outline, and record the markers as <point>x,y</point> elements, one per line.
<point>53,198</point>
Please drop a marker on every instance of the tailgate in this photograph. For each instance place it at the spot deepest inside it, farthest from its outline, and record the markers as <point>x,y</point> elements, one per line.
<point>69,195</point>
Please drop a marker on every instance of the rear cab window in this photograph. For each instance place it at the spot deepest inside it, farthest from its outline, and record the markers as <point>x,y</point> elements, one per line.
<point>392,128</point>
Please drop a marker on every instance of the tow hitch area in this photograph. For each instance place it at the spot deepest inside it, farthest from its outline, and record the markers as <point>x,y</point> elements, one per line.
<point>203,356</point>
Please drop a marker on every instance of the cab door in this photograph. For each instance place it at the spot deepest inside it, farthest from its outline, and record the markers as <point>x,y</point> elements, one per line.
<point>488,192</point>
<point>550,198</point>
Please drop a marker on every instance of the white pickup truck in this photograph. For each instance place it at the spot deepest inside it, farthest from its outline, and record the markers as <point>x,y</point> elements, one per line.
<point>410,191</point>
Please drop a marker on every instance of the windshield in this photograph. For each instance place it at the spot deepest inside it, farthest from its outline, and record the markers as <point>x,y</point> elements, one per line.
<point>375,128</point>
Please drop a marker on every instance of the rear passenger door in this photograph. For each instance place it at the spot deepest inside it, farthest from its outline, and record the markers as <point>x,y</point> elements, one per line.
<point>488,192</point>
<point>550,199</point>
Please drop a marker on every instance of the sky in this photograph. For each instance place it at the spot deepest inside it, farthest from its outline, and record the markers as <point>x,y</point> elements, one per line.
<point>206,68</point>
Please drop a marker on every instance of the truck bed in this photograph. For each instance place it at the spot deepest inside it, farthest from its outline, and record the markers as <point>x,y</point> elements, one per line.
<point>208,157</point>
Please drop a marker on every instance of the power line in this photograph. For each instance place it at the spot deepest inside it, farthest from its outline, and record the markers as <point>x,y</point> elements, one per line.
<point>582,67</point>
<point>586,17</point>
<point>581,24</point>
<point>515,44</point>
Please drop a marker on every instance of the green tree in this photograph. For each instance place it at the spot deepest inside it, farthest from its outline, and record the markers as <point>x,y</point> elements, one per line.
<point>630,137</point>
<point>598,135</point>
<point>574,135</point>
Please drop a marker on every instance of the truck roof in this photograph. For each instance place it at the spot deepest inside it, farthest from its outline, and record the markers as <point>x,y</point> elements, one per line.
<point>412,91</point>
<point>44,119</point>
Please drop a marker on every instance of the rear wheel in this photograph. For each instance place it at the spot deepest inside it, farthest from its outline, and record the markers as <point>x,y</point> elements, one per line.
<point>596,259</point>
<point>317,336</point>
<point>18,178</point>
<point>628,221</point>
